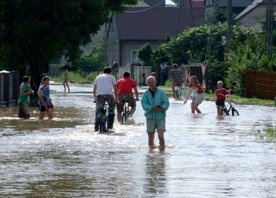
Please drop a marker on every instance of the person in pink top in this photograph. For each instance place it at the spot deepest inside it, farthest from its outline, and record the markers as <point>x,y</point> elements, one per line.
<point>221,94</point>
<point>125,85</point>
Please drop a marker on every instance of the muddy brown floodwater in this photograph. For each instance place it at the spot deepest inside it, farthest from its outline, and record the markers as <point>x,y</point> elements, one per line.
<point>205,156</point>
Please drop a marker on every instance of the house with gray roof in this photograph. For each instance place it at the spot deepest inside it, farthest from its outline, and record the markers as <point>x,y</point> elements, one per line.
<point>139,25</point>
<point>255,14</point>
<point>237,7</point>
<point>154,3</point>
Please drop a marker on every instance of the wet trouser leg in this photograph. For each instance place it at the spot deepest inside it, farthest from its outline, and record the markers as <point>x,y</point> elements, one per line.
<point>100,101</point>
<point>111,111</point>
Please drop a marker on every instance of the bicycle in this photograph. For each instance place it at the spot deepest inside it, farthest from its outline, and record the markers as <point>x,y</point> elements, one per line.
<point>125,113</point>
<point>231,109</point>
<point>102,118</point>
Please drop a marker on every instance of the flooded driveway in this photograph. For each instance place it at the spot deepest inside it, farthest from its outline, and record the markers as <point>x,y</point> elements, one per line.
<point>205,156</point>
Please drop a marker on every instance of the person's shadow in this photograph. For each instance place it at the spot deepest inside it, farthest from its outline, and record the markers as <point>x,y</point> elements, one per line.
<point>155,173</point>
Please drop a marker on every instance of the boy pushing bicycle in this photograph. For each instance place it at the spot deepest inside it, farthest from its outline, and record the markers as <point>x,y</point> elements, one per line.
<point>221,94</point>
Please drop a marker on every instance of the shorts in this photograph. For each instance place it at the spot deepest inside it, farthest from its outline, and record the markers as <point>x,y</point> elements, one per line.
<point>199,98</point>
<point>220,103</point>
<point>125,98</point>
<point>42,108</point>
<point>152,125</point>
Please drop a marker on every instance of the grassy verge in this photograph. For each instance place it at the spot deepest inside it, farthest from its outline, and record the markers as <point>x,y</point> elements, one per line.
<point>76,77</point>
<point>242,100</point>
<point>267,134</point>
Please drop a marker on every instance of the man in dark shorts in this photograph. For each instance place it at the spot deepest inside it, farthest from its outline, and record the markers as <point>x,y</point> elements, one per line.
<point>124,92</point>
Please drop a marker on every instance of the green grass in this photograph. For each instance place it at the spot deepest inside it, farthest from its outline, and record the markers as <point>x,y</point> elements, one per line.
<point>233,98</point>
<point>243,100</point>
<point>268,133</point>
<point>76,77</point>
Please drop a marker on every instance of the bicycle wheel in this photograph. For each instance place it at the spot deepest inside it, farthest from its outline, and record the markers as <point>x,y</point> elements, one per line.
<point>235,112</point>
<point>226,112</point>
<point>103,127</point>
<point>176,90</point>
<point>124,117</point>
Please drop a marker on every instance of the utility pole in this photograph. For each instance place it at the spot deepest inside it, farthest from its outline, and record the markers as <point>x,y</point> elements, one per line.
<point>268,28</point>
<point>229,25</point>
<point>210,33</point>
<point>178,17</point>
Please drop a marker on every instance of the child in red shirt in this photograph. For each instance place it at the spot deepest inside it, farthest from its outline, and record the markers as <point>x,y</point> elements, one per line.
<point>221,94</point>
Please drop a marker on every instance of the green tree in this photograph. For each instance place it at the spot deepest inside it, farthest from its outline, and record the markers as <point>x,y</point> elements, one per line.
<point>144,54</point>
<point>93,61</point>
<point>34,32</point>
<point>247,53</point>
<point>159,56</point>
<point>191,47</point>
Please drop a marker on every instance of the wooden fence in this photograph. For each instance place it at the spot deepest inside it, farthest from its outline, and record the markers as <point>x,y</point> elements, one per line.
<point>260,84</point>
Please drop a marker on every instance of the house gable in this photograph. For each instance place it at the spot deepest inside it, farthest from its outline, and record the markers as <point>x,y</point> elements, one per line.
<point>154,23</point>
<point>155,3</point>
<point>254,15</point>
<point>140,25</point>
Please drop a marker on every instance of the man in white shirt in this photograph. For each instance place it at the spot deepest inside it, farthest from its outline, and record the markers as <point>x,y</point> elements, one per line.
<point>104,88</point>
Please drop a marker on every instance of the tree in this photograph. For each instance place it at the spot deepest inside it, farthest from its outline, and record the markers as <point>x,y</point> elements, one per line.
<point>34,32</point>
<point>93,61</point>
<point>190,47</point>
<point>145,53</point>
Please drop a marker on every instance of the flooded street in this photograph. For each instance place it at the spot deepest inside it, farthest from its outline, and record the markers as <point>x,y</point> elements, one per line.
<point>205,156</point>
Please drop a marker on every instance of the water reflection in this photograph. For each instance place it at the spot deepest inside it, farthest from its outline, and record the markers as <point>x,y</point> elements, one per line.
<point>155,173</point>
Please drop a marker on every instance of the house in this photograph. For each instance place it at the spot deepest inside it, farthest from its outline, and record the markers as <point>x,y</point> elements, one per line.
<point>151,3</point>
<point>139,25</point>
<point>237,7</point>
<point>255,14</point>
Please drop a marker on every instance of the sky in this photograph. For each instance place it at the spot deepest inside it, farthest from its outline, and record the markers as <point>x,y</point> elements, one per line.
<point>169,2</point>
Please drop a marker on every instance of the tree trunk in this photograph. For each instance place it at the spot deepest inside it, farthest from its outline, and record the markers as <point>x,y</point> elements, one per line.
<point>37,69</point>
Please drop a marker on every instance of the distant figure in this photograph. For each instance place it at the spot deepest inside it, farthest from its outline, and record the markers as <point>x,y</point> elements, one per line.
<point>155,76</point>
<point>66,81</point>
<point>104,87</point>
<point>115,65</point>
<point>24,98</point>
<point>164,73</point>
<point>177,77</point>
<point>115,69</point>
<point>155,104</point>
<point>44,100</point>
<point>125,86</point>
<point>198,94</point>
<point>221,94</point>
